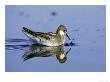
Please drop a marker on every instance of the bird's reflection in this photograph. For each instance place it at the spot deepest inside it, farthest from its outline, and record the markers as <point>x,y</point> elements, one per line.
<point>43,51</point>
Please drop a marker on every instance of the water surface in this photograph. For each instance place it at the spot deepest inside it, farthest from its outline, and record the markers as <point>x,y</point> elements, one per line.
<point>86,53</point>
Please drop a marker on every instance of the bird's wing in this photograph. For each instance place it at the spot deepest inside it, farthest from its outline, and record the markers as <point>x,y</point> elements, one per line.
<point>45,35</point>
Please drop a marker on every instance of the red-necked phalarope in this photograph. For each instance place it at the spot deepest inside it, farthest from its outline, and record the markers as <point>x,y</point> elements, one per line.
<point>47,38</point>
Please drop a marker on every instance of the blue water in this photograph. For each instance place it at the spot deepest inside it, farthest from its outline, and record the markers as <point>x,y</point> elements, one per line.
<point>86,24</point>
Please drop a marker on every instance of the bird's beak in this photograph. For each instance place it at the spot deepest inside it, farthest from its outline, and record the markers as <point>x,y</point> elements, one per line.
<point>68,36</point>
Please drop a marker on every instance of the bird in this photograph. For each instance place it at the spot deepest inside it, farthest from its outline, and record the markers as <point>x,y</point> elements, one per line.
<point>47,38</point>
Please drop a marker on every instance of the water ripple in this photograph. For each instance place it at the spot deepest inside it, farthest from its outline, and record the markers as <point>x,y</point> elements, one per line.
<point>11,44</point>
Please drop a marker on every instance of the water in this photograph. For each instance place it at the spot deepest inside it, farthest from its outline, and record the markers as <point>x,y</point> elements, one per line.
<point>86,25</point>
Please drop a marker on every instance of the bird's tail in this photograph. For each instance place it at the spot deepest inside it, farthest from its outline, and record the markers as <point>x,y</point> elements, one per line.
<point>29,33</point>
<point>27,30</point>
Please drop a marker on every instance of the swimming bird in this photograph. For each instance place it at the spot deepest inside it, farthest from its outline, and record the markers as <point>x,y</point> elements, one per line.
<point>47,38</point>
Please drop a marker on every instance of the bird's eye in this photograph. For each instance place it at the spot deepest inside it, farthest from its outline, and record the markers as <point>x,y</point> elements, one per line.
<point>64,30</point>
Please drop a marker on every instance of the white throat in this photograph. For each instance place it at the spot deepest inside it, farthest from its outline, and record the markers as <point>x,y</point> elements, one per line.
<point>62,33</point>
